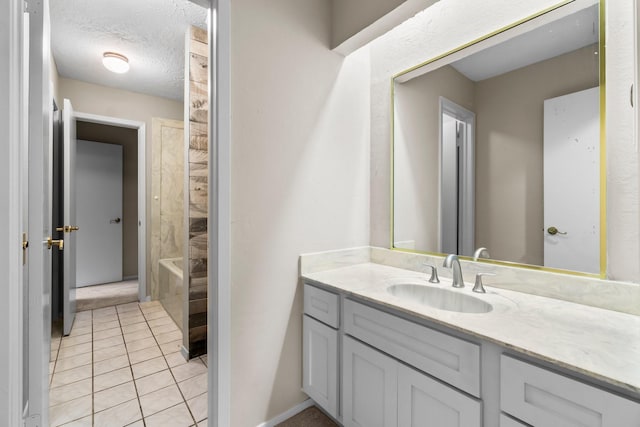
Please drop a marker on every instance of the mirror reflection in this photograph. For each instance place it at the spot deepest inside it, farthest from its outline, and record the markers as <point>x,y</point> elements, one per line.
<point>498,146</point>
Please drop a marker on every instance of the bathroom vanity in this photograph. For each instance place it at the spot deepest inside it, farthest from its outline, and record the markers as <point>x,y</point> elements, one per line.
<point>375,356</point>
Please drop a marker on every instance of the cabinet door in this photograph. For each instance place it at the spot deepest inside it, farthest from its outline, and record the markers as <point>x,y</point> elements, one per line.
<point>370,388</point>
<point>425,402</point>
<point>320,364</point>
<point>510,422</point>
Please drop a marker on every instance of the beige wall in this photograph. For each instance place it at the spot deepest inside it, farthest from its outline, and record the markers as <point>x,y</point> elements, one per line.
<point>128,139</point>
<point>509,143</point>
<point>417,152</point>
<point>105,101</point>
<point>299,183</point>
<point>356,22</point>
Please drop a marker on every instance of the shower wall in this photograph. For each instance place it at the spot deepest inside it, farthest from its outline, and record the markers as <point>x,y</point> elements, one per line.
<point>195,254</point>
<point>167,190</point>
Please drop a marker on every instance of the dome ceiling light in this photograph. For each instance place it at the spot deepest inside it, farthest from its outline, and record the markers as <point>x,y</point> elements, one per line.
<point>115,62</point>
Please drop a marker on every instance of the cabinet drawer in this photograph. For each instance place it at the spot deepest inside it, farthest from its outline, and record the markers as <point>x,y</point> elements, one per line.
<point>543,398</point>
<point>450,359</point>
<point>321,305</point>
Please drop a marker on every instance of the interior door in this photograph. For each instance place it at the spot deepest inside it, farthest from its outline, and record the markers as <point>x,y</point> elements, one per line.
<point>572,181</point>
<point>69,214</point>
<point>99,198</point>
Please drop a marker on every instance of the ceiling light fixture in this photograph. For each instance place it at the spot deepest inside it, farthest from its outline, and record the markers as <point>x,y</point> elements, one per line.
<point>115,62</point>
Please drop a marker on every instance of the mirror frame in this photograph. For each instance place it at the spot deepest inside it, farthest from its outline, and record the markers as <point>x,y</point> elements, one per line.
<point>603,132</point>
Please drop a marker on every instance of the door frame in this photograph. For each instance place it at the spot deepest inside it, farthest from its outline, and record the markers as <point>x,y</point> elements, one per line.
<point>142,189</point>
<point>13,116</point>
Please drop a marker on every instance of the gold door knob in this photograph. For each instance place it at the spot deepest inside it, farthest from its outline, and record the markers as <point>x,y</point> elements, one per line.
<point>553,231</point>
<point>68,228</point>
<point>59,243</point>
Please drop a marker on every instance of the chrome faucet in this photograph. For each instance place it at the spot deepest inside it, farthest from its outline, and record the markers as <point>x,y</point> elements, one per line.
<point>481,253</point>
<point>452,262</point>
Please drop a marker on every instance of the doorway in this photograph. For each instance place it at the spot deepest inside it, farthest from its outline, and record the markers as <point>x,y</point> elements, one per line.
<point>457,179</point>
<point>128,284</point>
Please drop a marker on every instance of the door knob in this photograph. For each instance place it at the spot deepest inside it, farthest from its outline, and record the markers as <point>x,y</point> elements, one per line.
<point>59,243</point>
<point>68,228</point>
<point>115,221</point>
<point>553,231</point>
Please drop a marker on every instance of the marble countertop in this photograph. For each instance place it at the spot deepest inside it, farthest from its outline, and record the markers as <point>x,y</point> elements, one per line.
<point>600,343</point>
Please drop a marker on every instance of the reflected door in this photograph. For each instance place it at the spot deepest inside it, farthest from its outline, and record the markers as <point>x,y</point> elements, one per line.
<point>572,181</point>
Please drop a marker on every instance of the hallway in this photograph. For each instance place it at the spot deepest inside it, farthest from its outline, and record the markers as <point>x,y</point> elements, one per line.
<point>121,366</point>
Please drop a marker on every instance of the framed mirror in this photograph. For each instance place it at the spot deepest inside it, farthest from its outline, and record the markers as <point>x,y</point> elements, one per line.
<point>499,144</point>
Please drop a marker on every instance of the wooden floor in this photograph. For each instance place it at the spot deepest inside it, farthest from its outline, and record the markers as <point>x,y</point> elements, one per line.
<point>107,295</point>
<point>310,417</point>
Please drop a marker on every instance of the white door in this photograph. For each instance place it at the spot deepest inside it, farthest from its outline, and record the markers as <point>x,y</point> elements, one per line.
<point>99,199</point>
<point>572,181</point>
<point>69,217</point>
<point>37,324</point>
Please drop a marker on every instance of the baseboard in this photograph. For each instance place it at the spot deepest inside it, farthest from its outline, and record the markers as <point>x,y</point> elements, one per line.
<point>126,278</point>
<point>287,414</point>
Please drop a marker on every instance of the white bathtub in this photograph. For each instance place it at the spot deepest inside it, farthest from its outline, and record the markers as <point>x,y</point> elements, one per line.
<point>170,287</point>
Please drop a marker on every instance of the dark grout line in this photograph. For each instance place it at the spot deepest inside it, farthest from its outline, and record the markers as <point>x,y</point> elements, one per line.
<point>133,378</point>
<point>164,356</point>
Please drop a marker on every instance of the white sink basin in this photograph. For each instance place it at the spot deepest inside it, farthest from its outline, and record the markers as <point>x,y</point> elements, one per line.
<point>442,299</point>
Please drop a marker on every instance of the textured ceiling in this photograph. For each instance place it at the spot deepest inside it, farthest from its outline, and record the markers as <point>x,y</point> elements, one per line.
<point>151,33</point>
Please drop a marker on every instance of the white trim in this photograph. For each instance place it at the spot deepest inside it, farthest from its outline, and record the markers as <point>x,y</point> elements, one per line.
<point>142,189</point>
<point>287,414</point>
<point>11,190</point>
<point>219,266</point>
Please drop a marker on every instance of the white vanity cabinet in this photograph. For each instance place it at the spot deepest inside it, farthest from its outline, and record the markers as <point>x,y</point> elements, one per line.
<point>542,398</point>
<point>368,365</point>
<point>320,348</point>
<point>381,391</point>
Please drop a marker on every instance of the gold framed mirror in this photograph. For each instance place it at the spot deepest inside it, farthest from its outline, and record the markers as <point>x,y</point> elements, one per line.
<point>500,144</point>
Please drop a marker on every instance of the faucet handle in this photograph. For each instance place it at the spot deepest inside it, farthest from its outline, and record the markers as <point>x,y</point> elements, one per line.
<point>478,287</point>
<point>434,273</point>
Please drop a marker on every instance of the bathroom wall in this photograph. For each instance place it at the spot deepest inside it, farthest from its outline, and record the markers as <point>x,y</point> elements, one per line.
<point>417,146</point>
<point>167,206</point>
<point>101,100</point>
<point>299,183</point>
<point>446,25</point>
<point>196,192</point>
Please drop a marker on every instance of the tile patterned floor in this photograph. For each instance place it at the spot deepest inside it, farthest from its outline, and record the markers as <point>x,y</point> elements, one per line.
<point>121,366</point>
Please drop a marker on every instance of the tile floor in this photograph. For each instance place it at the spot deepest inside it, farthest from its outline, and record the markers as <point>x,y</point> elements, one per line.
<point>121,366</point>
